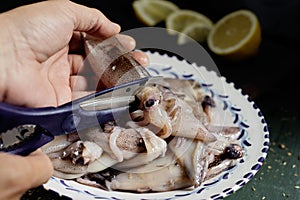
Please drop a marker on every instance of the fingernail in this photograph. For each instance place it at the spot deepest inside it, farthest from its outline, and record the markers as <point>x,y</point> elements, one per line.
<point>131,43</point>
<point>141,58</point>
<point>144,61</point>
<point>116,26</point>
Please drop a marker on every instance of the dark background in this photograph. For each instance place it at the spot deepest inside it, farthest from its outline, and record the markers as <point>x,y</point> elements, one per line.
<point>270,79</point>
<point>272,74</point>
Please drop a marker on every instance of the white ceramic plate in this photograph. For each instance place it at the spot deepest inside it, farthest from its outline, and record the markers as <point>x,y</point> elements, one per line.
<point>233,107</point>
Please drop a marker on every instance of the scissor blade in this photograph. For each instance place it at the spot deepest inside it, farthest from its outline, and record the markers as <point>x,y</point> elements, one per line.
<point>119,96</point>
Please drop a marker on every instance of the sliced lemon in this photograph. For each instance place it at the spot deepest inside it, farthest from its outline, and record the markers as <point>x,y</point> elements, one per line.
<point>151,12</point>
<point>180,19</point>
<point>237,35</point>
<point>195,31</point>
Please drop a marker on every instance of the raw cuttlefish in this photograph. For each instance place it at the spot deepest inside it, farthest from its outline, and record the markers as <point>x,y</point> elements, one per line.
<point>169,143</point>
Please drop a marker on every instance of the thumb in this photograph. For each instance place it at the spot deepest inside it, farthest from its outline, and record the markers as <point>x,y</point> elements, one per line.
<point>20,173</point>
<point>40,165</point>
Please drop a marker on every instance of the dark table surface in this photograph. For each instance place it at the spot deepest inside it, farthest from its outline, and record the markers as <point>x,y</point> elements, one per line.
<point>270,79</point>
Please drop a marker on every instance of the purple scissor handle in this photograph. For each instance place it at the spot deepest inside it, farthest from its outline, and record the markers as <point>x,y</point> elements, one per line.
<point>71,117</point>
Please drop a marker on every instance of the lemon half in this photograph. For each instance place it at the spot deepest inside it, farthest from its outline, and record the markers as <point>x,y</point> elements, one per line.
<point>236,36</point>
<point>151,12</point>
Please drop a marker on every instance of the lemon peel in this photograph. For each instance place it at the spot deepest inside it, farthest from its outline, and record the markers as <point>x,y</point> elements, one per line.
<point>178,20</point>
<point>152,12</point>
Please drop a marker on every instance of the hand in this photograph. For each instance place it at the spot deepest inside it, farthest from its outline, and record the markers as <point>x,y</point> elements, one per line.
<point>37,69</point>
<point>36,66</point>
<point>18,174</point>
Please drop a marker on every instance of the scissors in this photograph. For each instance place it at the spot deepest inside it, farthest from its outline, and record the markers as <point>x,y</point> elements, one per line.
<point>23,130</point>
<point>47,122</point>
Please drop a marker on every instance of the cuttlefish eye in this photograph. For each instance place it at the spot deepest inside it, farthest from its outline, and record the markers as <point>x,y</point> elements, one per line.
<point>149,103</point>
<point>233,151</point>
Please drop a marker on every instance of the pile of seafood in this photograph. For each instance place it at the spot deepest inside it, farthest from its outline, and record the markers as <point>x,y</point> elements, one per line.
<point>168,143</point>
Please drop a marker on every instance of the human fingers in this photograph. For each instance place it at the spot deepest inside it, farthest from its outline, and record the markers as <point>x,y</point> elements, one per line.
<point>141,58</point>
<point>79,94</point>
<point>80,66</point>
<point>129,45</point>
<point>40,165</point>
<point>92,21</point>
<point>127,42</point>
<point>78,83</point>
<point>77,61</point>
<point>18,173</point>
<point>84,83</point>
<point>76,44</point>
